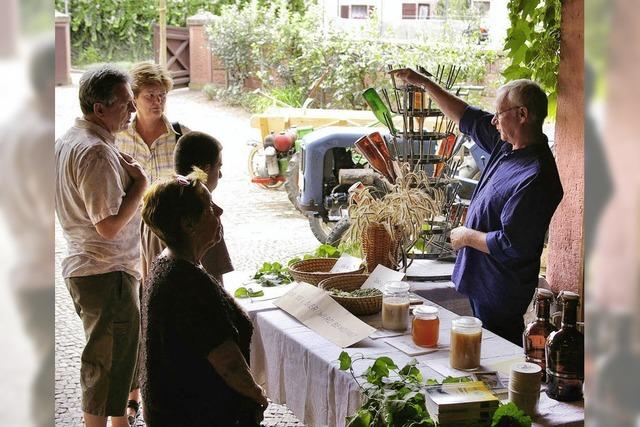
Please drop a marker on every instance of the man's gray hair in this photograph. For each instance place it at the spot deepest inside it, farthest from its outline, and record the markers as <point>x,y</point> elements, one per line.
<point>528,94</point>
<point>98,85</point>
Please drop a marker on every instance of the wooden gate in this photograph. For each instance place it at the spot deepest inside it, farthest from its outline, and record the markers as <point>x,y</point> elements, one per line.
<point>177,53</point>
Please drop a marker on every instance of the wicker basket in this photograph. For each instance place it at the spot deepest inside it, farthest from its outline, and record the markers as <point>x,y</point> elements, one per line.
<point>378,248</point>
<point>314,270</point>
<point>360,306</point>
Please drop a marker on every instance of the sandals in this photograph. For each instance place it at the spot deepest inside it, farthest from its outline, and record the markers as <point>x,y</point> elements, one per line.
<point>135,405</point>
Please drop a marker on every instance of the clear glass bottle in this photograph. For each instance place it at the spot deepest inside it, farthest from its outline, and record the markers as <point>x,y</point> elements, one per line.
<point>534,337</point>
<point>425,327</point>
<point>395,306</point>
<point>466,343</point>
<point>564,353</point>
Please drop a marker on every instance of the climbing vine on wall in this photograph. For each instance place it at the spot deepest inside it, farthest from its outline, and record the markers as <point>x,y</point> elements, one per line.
<point>533,44</point>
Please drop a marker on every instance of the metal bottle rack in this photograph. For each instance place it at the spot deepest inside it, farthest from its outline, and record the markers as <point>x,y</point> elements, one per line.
<point>424,125</point>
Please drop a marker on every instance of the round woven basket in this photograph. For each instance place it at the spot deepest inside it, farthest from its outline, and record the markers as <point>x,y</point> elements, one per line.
<point>360,306</point>
<point>314,270</point>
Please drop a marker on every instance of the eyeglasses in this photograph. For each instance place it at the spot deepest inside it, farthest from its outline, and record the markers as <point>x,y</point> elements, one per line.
<point>153,96</point>
<point>499,113</point>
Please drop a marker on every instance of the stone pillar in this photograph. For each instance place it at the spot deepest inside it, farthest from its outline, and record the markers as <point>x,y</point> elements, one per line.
<point>204,67</point>
<point>63,49</point>
<point>565,269</point>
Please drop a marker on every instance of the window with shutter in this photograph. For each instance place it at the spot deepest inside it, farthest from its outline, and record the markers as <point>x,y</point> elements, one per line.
<point>344,12</point>
<point>408,11</point>
<point>359,11</point>
<point>424,11</point>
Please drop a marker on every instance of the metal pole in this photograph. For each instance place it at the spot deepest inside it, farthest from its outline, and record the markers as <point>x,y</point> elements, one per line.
<point>163,32</point>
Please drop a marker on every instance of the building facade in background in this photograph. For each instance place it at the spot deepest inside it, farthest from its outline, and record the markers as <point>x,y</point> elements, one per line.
<point>407,19</point>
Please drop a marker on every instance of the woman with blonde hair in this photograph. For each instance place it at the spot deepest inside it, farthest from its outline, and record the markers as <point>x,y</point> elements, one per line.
<point>195,338</point>
<point>151,139</point>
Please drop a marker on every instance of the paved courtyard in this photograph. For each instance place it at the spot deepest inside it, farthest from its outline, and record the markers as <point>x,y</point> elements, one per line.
<point>260,225</point>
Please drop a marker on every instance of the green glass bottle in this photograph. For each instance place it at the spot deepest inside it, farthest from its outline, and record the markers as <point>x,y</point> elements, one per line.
<point>379,108</point>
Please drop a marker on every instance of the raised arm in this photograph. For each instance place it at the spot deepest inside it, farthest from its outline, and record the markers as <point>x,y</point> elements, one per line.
<point>452,106</point>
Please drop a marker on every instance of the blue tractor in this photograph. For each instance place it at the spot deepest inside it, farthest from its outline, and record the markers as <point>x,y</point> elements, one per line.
<point>329,165</point>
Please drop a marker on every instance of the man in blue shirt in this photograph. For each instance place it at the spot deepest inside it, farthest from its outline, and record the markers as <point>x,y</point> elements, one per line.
<point>499,246</point>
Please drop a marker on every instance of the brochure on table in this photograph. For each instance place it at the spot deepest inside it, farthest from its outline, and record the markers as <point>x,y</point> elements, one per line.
<point>317,310</point>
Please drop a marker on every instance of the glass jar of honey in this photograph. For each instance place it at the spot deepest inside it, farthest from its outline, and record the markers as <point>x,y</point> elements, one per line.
<point>425,328</point>
<point>466,339</point>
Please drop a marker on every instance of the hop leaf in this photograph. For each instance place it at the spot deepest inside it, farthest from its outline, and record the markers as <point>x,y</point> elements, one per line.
<point>510,415</point>
<point>345,361</point>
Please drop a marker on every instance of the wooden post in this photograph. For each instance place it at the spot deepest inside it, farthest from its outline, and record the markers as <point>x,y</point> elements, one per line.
<point>163,31</point>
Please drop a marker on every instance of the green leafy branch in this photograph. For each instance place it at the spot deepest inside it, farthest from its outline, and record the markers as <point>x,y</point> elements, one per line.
<point>389,402</point>
<point>399,401</point>
<point>533,44</point>
<point>273,274</point>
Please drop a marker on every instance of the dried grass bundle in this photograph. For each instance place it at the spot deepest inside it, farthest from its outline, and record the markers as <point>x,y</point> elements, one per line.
<point>411,202</point>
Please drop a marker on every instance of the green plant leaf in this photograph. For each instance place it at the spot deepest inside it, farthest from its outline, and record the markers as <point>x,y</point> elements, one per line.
<point>509,415</point>
<point>255,293</point>
<point>241,292</point>
<point>361,419</point>
<point>345,361</point>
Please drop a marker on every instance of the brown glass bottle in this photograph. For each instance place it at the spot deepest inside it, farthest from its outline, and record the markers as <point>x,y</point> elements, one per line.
<point>535,334</point>
<point>564,353</point>
<point>375,158</point>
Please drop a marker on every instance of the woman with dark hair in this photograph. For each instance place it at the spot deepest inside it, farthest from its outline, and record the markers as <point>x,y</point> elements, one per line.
<point>196,339</point>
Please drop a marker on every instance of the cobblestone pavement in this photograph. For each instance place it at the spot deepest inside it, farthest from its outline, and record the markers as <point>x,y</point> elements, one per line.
<point>260,225</point>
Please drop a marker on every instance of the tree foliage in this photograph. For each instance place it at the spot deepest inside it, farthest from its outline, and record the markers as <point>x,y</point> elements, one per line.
<point>533,44</point>
<point>286,48</point>
<point>122,30</point>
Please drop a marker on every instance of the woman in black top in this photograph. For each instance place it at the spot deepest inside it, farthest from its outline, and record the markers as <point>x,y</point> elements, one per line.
<point>196,339</point>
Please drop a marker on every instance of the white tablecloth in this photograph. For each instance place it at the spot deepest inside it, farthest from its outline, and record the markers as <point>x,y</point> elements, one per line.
<point>299,368</point>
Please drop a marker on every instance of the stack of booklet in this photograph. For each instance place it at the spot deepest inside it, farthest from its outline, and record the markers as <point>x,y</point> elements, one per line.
<point>461,404</point>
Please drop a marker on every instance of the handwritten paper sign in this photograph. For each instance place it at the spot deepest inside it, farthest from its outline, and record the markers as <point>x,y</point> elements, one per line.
<point>381,276</point>
<point>345,263</point>
<point>318,311</point>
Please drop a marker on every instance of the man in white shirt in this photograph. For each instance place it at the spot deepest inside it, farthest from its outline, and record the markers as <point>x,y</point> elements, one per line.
<point>97,198</point>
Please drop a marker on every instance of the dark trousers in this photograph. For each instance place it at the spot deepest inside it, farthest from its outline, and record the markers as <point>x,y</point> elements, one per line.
<point>508,325</point>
